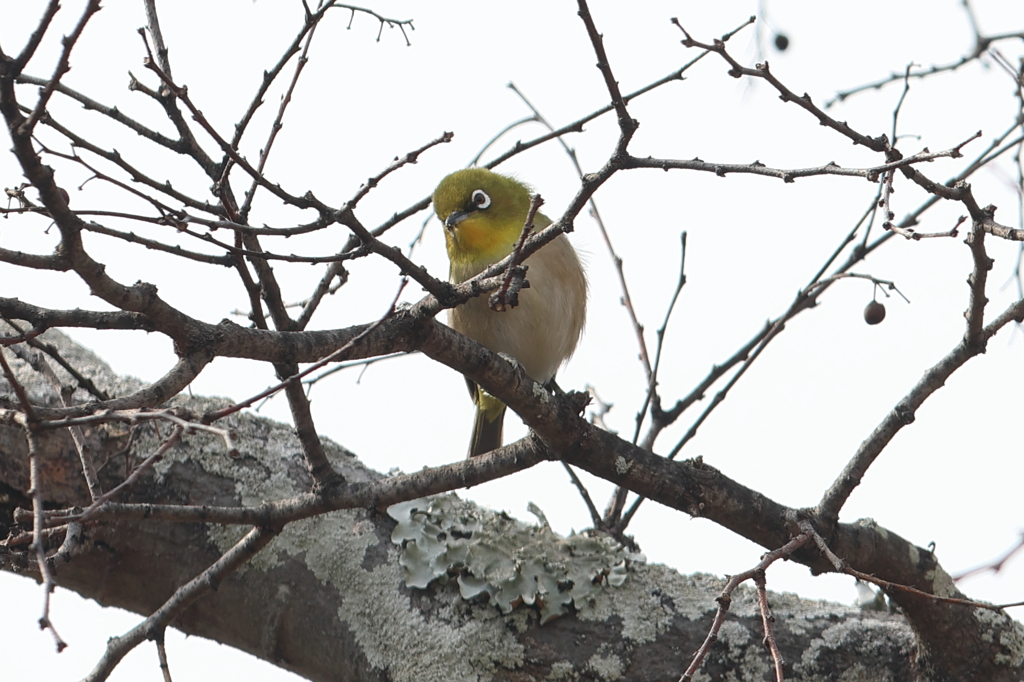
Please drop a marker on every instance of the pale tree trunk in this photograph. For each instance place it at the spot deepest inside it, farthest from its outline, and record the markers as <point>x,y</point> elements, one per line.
<point>327,598</point>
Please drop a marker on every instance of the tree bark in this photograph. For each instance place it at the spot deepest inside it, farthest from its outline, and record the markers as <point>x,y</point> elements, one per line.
<point>327,598</point>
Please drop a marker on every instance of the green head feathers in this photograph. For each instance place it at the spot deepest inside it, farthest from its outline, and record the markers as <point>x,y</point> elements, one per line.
<point>483,213</point>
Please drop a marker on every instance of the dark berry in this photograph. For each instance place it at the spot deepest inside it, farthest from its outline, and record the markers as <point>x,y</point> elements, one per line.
<point>874,312</point>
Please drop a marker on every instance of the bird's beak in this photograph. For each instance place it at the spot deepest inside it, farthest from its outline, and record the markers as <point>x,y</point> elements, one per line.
<point>454,219</point>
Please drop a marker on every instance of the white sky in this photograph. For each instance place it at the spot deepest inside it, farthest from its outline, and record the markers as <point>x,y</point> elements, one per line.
<point>789,426</point>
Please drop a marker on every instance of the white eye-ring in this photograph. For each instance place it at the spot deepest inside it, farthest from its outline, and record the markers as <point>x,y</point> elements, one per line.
<point>480,199</point>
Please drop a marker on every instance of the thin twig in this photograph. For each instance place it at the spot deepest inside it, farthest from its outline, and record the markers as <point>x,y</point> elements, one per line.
<point>975,313</point>
<point>63,65</point>
<point>161,653</point>
<point>153,23</point>
<point>384,21</point>
<point>618,502</point>
<point>136,175</point>
<point>38,510</point>
<point>312,20</point>
<point>768,622</point>
<point>725,599</point>
<point>507,296</point>
<point>595,516</point>
<point>297,378</point>
<point>995,566</point>
<point>627,125</point>
<point>746,355</point>
<point>113,113</point>
<point>652,389</point>
<point>147,464</point>
<point>64,393</point>
<point>409,158</point>
<point>576,126</point>
<point>979,50</point>
<point>842,567</point>
<point>905,410</point>
<point>899,104</point>
<point>184,596</point>
<point>38,540</point>
<point>19,390</point>
<point>627,300</point>
<point>32,44</point>
<point>181,93</point>
<point>275,127</point>
<point>789,175</point>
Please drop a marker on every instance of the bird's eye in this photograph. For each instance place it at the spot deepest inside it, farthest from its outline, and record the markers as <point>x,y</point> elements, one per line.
<point>481,199</point>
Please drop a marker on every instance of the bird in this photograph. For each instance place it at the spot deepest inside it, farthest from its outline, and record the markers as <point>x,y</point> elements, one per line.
<point>483,214</point>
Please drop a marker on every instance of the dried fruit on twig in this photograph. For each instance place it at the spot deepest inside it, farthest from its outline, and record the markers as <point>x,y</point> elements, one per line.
<point>874,312</point>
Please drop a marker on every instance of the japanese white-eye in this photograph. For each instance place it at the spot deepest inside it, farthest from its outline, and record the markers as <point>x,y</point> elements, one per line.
<point>483,215</point>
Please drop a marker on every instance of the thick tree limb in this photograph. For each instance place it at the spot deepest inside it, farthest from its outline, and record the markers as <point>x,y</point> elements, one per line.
<point>334,580</point>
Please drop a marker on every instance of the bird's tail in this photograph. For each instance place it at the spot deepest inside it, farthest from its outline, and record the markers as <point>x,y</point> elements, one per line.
<point>490,415</point>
